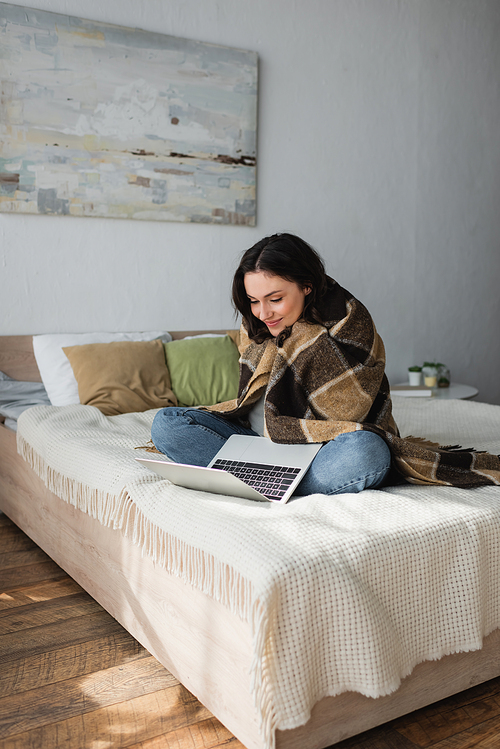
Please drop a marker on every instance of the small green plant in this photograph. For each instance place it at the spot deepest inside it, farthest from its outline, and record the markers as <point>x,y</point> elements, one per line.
<point>414,369</point>
<point>433,365</point>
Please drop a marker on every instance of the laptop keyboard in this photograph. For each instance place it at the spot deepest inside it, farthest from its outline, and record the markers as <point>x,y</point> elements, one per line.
<point>271,481</point>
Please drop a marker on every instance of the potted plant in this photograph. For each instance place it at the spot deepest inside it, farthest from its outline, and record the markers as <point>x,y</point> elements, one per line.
<point>415,376</point>
<point>430,371</point>
<point>443,376</point>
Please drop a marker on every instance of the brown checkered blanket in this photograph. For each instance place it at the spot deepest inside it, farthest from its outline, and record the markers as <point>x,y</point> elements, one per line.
<point>322,380</point>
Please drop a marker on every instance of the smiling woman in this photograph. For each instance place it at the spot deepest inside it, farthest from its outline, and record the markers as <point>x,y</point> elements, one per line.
<point>298,382</point>
<point>295,268</point>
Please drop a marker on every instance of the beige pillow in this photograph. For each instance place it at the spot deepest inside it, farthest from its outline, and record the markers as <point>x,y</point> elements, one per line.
<point>122,376</point>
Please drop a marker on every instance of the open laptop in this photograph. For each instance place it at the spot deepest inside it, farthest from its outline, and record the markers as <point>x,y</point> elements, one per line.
<point>246,466</point>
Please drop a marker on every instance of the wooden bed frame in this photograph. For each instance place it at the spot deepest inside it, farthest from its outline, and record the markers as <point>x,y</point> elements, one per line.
<point>205,646</point>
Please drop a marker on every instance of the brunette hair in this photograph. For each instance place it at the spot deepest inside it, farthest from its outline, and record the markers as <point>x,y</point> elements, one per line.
<point>289,257</point>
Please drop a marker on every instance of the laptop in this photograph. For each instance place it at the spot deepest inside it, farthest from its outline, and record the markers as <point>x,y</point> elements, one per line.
<point>246,466</point>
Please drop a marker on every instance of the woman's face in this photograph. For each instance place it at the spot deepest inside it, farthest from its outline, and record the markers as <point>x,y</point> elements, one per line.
<point>274,300</point>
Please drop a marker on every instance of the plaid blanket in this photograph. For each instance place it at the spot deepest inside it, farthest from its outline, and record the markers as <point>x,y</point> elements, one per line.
<point>321,380</point>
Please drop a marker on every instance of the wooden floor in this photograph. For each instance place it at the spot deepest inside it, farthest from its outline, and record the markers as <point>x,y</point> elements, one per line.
<point>72,677</point>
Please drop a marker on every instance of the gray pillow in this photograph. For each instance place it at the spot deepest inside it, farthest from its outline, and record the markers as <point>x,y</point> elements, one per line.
<point>17,396</point>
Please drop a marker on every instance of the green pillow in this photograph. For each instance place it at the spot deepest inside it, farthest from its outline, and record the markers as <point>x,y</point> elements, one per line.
<point>203,371</point>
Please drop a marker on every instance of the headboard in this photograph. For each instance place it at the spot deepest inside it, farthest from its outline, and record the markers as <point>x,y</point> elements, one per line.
<point>17,359</point>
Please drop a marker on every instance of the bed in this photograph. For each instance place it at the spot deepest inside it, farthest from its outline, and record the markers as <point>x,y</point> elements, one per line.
<point>228,632</point>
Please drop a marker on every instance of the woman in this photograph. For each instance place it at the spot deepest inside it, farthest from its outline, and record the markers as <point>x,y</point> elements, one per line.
<point>311,370</point>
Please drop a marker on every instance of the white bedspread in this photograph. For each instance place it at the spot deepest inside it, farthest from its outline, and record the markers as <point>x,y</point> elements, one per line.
<point>342,593</point>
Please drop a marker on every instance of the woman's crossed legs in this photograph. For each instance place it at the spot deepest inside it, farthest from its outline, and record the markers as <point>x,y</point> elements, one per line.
<point>350,463</point>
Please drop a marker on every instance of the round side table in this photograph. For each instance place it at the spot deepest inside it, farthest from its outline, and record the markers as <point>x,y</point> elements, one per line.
<point>456,390</point>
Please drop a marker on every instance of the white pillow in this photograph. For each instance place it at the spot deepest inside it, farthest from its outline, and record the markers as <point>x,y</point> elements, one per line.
<point>55,369</point>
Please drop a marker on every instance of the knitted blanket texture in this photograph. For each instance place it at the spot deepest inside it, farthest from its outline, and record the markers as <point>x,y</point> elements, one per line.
<point>344,593</point>
<point>323,380</point>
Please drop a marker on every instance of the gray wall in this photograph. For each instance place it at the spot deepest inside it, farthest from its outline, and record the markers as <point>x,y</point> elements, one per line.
<point>379,143</point>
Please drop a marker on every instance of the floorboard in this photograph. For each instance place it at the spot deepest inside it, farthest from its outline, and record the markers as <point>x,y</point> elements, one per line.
<point>71,677</point>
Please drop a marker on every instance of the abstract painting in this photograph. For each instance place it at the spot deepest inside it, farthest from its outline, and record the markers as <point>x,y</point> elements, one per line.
<point>102,120</point>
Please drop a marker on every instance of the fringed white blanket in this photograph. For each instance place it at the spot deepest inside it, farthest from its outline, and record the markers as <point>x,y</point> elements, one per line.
<point>347,593</point>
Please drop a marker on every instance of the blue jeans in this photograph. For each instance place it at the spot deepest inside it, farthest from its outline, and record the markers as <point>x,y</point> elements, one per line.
<point>350,463</point>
